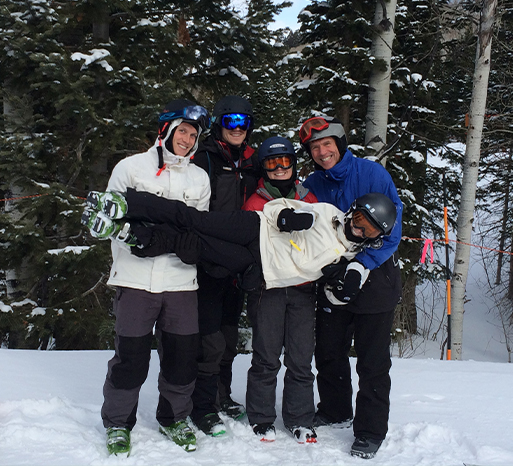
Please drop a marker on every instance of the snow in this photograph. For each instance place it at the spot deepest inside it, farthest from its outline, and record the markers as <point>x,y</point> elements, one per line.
<point>96,56</point>
<point>73,249</point>
<point>442,413</point>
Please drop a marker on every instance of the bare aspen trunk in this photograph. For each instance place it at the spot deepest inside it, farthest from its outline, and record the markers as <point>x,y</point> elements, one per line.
<point>470,174</point>
<point>504,227</point>
<point>379,82</point>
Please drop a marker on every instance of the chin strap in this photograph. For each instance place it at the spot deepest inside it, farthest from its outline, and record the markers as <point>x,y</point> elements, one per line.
<point>160,151</point>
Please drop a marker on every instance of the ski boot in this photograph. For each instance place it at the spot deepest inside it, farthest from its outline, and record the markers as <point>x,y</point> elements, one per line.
<point>365,447</point>
<point>181,433</point>
<point>303,434</point>
<point>233,409</point>
<point>111,204</point>
<point>265,431</point>
<point>118,441</point>
<point>211,424</point>
<point>102,227</point>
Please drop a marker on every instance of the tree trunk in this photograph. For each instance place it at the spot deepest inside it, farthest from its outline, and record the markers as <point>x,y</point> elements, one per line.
<point>504,228</point>
<point>470,174</point>
<point>379,83</point>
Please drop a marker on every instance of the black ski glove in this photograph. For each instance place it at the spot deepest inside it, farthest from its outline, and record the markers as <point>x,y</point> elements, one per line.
<point>347,288</point>
<point>290,220</point>
<point>188,247</point>
<point>331,273</point>
<point>161,241</point>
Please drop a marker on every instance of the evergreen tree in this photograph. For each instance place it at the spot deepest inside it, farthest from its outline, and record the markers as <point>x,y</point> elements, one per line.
<point>95,74</point>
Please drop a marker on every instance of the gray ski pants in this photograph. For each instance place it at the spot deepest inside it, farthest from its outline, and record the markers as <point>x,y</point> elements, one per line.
<point>175,317</point>
<point>282,318</point>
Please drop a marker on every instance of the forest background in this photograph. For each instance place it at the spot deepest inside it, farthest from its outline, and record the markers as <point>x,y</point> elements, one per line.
<point>82,83</point>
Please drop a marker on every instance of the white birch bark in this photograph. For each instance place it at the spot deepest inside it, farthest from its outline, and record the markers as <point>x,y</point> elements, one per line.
<point>379,83</point>
<point>470,174</point>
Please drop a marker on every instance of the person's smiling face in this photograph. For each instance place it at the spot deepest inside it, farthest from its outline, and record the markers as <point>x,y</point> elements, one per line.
<point>280,174</point>
<point>235,137</point>
<point>325,152</point>
<point>184,139</point>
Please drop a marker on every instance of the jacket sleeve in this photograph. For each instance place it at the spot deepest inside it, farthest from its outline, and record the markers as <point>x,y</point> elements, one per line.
<point>255,202</point>
<point>120,179</point>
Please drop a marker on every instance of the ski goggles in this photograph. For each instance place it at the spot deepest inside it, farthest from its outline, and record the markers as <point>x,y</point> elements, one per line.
<point>271,164</point>
<point>192,113</point>
<point>361,222</point>
<point>315,123</point>
<point>236,120</point>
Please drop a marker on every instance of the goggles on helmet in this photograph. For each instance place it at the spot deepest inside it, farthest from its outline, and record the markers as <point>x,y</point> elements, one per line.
<point>361,222</point>
<point>271,164</point>
<point>193,112</point>
<point>315,123</point>
<point>236,120</point>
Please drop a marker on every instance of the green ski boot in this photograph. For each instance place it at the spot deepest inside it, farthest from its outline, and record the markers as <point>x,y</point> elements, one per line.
<point>181,433</point>
<point>100,225</point>
<point>113,205</point>
<point>118,441</point>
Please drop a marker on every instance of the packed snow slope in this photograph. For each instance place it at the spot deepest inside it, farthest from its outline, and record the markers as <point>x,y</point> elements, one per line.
<point>442,413</point>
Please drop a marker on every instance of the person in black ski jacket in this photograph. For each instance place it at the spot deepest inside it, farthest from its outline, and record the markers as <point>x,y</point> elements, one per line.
<point>232,168</point>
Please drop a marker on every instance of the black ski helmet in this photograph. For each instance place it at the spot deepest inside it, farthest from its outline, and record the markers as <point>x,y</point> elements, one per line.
<point>231,104</point>
<point>379,209</point>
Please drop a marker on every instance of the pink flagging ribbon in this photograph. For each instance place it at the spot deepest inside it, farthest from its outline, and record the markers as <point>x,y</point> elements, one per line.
<point>427,243</point>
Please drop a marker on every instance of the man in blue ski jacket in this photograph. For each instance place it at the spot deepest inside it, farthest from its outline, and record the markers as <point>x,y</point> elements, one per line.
<point>356,300</point>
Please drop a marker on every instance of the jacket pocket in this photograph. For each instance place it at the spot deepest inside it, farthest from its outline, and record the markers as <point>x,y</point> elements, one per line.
<point>148,186</point>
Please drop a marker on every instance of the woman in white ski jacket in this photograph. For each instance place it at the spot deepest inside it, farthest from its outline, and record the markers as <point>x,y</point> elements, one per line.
<point>291,240</point>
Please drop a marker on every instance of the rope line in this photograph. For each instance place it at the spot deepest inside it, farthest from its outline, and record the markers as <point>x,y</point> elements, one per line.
<point>459,242</point>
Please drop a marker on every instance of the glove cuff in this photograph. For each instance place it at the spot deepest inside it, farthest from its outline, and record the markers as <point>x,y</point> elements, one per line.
<point>331,297</point>
<point>358,267</point>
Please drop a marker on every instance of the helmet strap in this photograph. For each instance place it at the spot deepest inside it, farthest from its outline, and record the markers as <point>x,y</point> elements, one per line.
<point>160,151</point>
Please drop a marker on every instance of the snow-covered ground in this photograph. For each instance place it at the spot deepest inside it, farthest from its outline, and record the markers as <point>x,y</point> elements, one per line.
<point>442,413</point>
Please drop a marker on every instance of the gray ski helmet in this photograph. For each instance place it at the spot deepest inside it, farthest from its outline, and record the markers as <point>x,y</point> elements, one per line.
<point>275,145</point>
<point>232,104</point>
<point>334,129</point>
<point>379,209</point>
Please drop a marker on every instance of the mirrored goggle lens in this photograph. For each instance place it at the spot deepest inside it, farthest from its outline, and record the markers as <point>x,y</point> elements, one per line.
<point>273,163</point>
<point>193,112</point>
<point>236,120</point>
<point>361,222</point>
<point>316,123</point>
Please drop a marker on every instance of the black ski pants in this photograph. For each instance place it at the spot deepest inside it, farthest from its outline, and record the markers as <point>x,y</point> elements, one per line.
<point>220,304</point>
<point>229,239</point>
<point>336,327</point>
